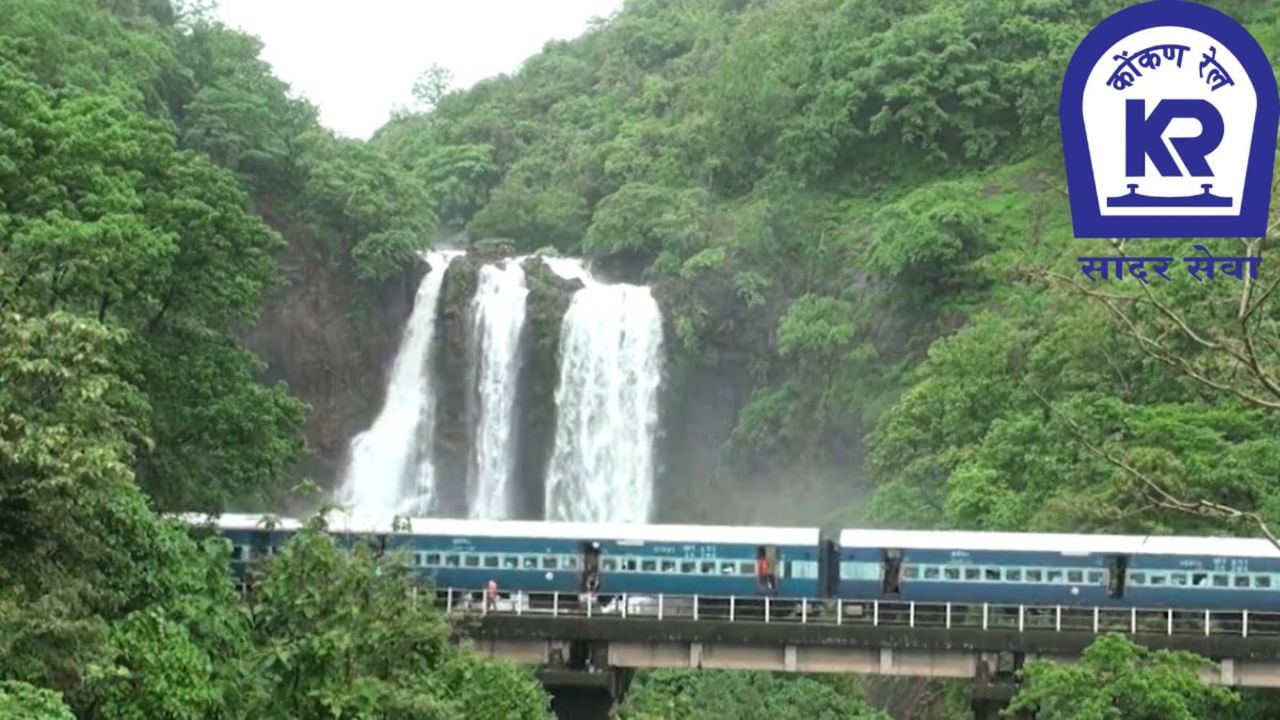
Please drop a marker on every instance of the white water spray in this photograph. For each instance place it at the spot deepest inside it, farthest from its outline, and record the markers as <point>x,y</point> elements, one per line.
<point>391,471</point>
<point>498,318</point>
<point>606,403</point>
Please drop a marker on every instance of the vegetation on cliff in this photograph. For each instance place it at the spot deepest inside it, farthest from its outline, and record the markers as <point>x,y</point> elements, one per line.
<point>859,202</point>
<point>131,141</point>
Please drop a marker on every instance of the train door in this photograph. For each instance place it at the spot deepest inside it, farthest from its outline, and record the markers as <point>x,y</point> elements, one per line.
<point>1117,565</point>
<point>829,568</point>
<point>590,580</point>
<point>891,581</point>
<point>767,567</point>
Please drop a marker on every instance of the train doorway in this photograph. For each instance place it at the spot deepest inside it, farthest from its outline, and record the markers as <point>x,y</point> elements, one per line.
<point>890,583</point>
<point>590,580</point>
<point>767,567</point>
<point>1117,566</point>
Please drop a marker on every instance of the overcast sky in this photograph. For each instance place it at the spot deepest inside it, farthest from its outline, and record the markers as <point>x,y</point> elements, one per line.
<point>357,59</point>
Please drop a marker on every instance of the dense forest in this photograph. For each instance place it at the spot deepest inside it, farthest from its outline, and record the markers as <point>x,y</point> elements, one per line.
<point>861,203</point>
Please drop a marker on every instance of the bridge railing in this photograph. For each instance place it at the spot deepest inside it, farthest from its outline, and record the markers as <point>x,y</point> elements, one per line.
<point>872,613</point>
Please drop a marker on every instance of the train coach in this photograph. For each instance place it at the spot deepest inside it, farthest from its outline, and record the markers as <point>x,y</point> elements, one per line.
<point>1190,573</point>
<point>564,557</point>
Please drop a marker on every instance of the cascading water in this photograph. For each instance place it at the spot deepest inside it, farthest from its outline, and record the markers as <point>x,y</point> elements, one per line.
<point>498,319</point>
<point>606,403</point>
<point>390,471</point>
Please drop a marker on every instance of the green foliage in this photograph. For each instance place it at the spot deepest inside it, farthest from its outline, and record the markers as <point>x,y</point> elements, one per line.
<point>1117,680</point>
<point>709,259</point>
<point>646,218</point>
<point>369,207</point>
<point>341,634</point>
<point>20,701</point>
<point>105,216</point>
<point>532,217</point>
<point>704,695</point>
<point>816,329</point>
<point>927,232</point>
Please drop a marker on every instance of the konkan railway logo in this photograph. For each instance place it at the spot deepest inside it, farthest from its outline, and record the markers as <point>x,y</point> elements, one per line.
<point>1169,112</point>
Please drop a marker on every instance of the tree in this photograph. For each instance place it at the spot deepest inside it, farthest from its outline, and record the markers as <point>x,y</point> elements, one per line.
<point>703,695</point>
<point>1117,680</point>
<point>342,634</point>
<point>20,701</point>
<point>431,86</point>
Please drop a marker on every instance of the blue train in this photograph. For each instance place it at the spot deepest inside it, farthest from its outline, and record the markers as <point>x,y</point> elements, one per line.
<point>1190,573</point>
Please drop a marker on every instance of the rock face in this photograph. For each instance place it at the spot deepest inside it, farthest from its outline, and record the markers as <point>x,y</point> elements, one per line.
<point>454,366</point>
<point>332,339</point>
<point>705,392</point>
<point>549,297</point>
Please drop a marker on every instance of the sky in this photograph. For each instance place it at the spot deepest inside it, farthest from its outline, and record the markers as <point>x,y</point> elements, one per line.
<point>358,59</point>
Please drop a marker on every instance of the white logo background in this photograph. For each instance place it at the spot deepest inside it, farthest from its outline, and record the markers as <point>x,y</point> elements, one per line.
<point>1104,119</point>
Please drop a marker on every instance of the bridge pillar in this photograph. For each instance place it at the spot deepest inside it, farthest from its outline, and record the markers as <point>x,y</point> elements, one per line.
<point>1228,670</point>
<point>591,694</point>
<point>695,655</point>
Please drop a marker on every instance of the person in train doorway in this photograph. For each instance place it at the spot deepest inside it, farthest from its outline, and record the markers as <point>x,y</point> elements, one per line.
<point>764,571</point>
<point>491,596</point>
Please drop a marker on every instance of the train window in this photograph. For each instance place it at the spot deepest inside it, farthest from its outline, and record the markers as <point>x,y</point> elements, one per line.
<point>1075,576</point>
<point>1199,579</point>
<point>1241,581</point>
<point>609,564</point>
<point>550,562</point>
<point>746,568</point>
<point>668,566</point>
<point>570,563</point>
<point>931,572</point>
<point>1179,579</point>
<point>688,567</point>
<point>510,562</point>
<point>1219,580</point>
<point>991,574</point>
<point>1034,575</point>
<point>431,559</point>
<point>648,565</point>
<point>1159,579</point>
<point>417,559</point>
<point>727,567</point>
<point>630,564</point>
<point>951,573</point>
<point>910,572</point>
<point>530,562</point>
<point>491,561</point>
<point>1137,578</point>
<point>1053,576</point>
<point>237,553</point>
<point>972,573</point>
<point>451,561</point>
<point>1013,574</point>
<point>1262,581</point>
<point>1095,577</point>
<point>471,561</point>
<point>708,567</point>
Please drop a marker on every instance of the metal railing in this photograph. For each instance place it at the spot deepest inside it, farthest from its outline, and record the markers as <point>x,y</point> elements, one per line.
<point>871,613</point>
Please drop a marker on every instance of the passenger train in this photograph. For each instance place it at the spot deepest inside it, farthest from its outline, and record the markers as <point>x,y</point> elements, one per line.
<point>1192,573</point>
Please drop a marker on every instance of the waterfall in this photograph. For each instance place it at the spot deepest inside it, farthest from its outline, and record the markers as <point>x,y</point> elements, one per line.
<point>390,471</point>
<point>498,319</point>
<point>606,403</point>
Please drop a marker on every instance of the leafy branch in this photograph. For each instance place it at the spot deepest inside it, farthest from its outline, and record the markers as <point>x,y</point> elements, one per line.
<point>1155,493</point>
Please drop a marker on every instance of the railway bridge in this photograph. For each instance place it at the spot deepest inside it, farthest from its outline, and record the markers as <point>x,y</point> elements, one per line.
<point>588,648</point>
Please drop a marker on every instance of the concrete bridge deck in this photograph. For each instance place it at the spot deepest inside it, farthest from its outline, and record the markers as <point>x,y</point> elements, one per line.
<point>866,637</point>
